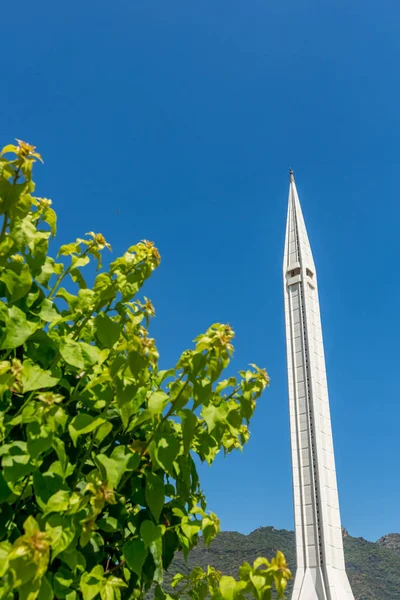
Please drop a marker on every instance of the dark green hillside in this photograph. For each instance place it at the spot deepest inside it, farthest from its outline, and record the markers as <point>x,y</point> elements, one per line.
<point>373,568</point>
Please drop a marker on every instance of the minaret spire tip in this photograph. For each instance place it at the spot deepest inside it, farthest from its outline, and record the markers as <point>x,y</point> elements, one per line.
<point>291,175</point>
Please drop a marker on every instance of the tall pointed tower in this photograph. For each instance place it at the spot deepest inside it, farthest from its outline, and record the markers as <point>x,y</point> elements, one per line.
<point>321,571</point>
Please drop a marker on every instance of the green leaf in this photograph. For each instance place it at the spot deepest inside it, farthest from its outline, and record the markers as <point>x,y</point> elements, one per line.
<point>214,414</point>
<point>5,490</point>
<point>49,268</point>
<point>135,553</point>
<point>62,532</point>
<point>17,463</point>
<point>156,551</point>
<point>29,590</point>
<point>154,494</point>
<point>70,299</point>
<point>48,311</point>
<point>107,330</point>
<point>120,461</point>
<point>91,583</point>
<point>72,353</point>
<point>168,449</point>
<point>190,529</point>
<point>229,588</point>
<point>40,438</point>
<point>80,261</point>
<point>129,399</point>
<point>5,548</point>
<point>210,530</point>
<point>17,329</point>
<point>18,281</point>
<point>103,286</point>
<point>102,432</point>
<point>62,581</point>
<point>110,589</point>
<point>77,277</point>
<point>46,485</point>
<point>79,354</point>
<point>59,447</point>
<point>31,526</point>
<point>189,422</point>
<point>46,591</point>
<point>149,532</point>
<point>59,502</point>
<point>177,578</point>
<point>73,558</point>
<point>51,218</point>
<point>137,362</point>
<point>36,378</point>
<point>109,524</point>
<point>83,423</point>
<point>69,249</point>
<point>157,402</point>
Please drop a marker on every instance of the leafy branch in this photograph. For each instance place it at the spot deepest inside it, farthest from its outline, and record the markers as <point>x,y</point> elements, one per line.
<point>98,484</point>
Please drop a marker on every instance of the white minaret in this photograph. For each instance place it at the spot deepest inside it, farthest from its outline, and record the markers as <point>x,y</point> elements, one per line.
<point>321,571</point>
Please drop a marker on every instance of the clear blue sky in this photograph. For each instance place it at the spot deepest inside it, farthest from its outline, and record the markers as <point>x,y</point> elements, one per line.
<point>177,121</point>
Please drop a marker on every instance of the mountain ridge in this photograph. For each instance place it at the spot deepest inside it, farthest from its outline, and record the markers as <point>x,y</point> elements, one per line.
<point>373,568</point>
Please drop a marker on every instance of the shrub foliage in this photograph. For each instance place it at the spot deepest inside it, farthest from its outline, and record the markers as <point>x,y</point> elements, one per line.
<point>98,483</point>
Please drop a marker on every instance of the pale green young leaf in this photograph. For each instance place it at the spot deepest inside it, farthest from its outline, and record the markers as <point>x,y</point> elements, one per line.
<point>70,299</point>
<point>48,311</point>
<point>61,530</point>
<point>91,583</point>
<point>227,586</point>
<point>69,249</point>
<point>214,414</point>
<point>190,528</point>
<point>110,589</point>
<point>5,548</point>
<point>157,402</point>
<point>49,268</point>
<point>177,578</point>
<point>80,261</point>
<point>59,502</point>
<point>50,217</point>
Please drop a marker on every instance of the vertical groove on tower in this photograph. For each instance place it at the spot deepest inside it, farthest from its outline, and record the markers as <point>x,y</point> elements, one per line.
<point>309,398</point>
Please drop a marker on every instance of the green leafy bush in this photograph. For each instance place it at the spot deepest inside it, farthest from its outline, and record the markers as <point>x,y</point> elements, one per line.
<point>98,486</point>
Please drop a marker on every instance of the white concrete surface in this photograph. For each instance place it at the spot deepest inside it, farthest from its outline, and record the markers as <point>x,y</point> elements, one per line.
<point>321,571</point>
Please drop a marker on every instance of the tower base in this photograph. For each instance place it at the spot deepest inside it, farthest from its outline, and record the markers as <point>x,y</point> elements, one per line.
<point>310,584</point>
